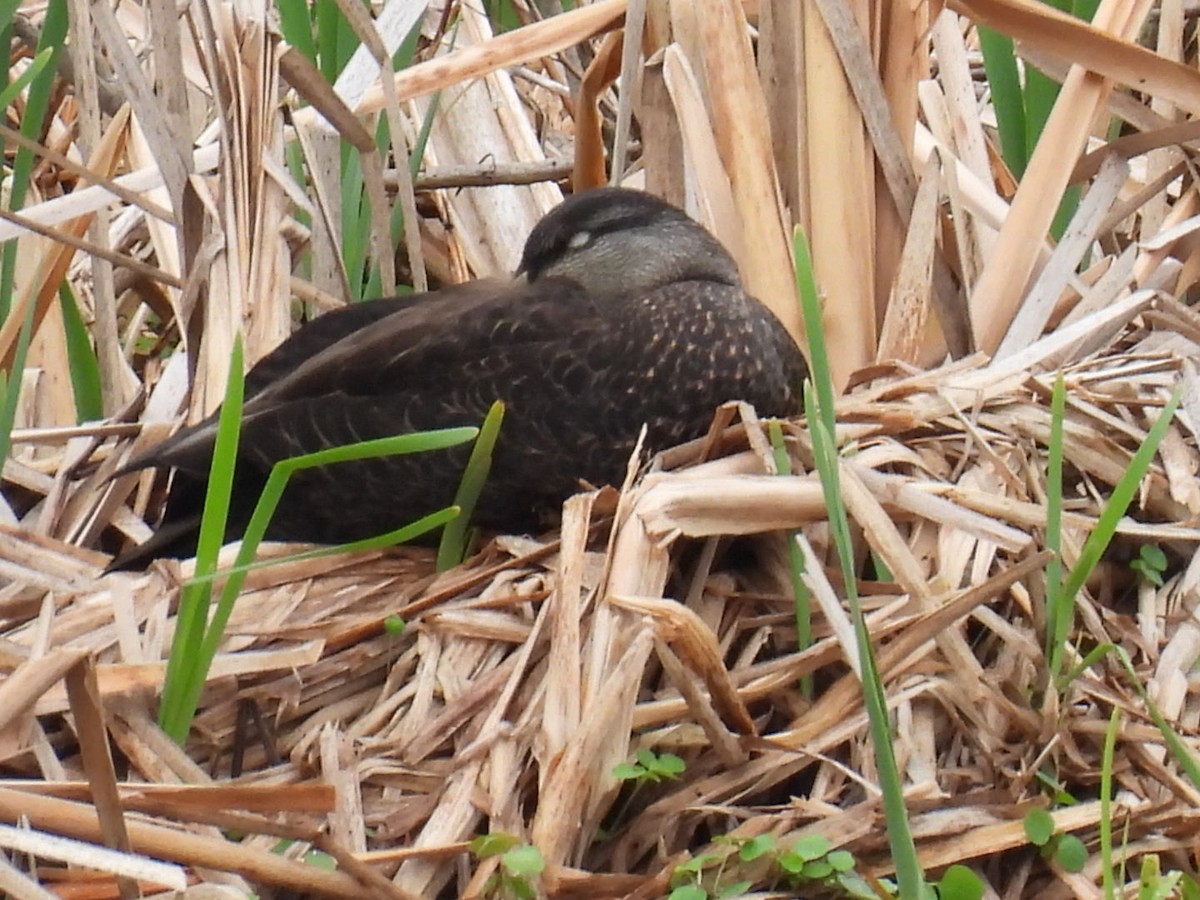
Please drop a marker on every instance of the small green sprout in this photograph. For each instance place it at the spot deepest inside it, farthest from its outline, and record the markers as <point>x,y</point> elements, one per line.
<point>1065,849</point>
<point>321,860</point>
<point>755,848</point>
<point>810,862</point>
<point>1154,884</point>
<point>959,883</point>
<point>686,880</point>
<point>520,866</point>
<point>1150,564</point>
<point>650,768</point>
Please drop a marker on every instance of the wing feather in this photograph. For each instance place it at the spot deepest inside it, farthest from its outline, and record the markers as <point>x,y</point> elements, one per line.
<point>401,355</point>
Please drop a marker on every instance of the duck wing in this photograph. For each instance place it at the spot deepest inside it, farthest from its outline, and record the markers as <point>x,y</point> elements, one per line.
<point>322,332</point>
<point>423,365</point>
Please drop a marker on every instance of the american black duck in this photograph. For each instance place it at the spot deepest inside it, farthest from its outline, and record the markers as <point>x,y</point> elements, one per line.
<point>625,312</point>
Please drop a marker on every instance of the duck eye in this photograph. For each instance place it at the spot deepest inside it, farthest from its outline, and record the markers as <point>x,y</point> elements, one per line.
<point>579,239</point>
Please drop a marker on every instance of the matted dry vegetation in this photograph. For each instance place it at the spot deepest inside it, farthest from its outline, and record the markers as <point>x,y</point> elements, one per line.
<point>661,618</point>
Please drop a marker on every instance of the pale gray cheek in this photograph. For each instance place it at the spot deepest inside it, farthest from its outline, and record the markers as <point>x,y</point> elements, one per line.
<point>599,268</point>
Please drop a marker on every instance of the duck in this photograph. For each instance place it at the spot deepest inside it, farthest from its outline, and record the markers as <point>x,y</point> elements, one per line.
<point>624,314</point>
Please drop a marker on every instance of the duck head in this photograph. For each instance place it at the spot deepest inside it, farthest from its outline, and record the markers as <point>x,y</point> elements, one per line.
<point>616,242</point>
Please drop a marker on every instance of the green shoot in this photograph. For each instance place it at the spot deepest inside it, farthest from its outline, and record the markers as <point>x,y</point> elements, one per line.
<point>1106,526</point>
<point>85,368</point>
<point>810,305</point>
<point>1022,110</point>
<point>1151,564</point>
<point>455,537</point>
<point>521,866</point>
<point>33,116</point>
<point>904,853</point>
<point>800,596</point>
<point>9,94</point>
<point>811,862</point>
<point>820,413</point>
<point>37,101</point>
<point>177,708</point>
<point>196,639</point>
<point>1154,884</point>
<point>1179,751</point>
<point>1065,849</point>
<point>686,877</point>
<point>1004,80</point>
<point>650,768</point>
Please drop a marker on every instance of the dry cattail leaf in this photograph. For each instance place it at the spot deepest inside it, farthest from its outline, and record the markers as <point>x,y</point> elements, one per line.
<point>42,289</point>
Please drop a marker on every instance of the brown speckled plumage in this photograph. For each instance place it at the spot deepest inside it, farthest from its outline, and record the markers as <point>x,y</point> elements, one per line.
<point>625,312</point>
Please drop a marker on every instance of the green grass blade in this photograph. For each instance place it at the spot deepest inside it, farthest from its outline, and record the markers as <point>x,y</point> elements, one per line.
<point>810,306</point>
<point>822,422</point>
<point>33,116</point>
<point>800,597</point>
<point>81,357</point>
<point>1122,495</point>
<point>220,484</point>
<point>328,21</point>
<point>453,546</point>
<point>1066,211</point>
<point>418,442</point>
<point>400,535</point>
<point>909,875</point>
<point>233,587</point>
<point>8,9</point>
<point>184,679</point>
<point>40,61</point>
<point>1040,93</point>
<point>37,100</point>
<point>296,25</point>
<point>396,445</point>
<point>503,15</point>
<point>281,473</point>
<point>192,656</point>
<point>1180,752</point>
<point>1004,80</point>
